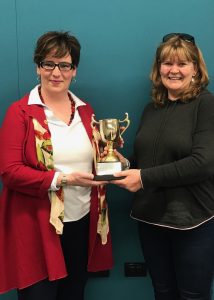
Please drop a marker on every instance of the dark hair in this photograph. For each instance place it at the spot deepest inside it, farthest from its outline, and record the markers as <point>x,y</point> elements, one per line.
<point>60,43</point>
<point>177,46</point>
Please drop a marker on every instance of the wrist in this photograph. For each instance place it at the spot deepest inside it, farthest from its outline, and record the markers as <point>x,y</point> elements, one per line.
<point>141,182</point>
<point>62,180</point>
<point>126,164</point>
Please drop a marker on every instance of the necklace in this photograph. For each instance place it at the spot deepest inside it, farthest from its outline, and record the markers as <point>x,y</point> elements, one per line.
<point>72,104</point>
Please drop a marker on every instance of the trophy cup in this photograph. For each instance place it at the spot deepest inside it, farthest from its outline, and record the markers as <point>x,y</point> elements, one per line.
<point>109,133</point>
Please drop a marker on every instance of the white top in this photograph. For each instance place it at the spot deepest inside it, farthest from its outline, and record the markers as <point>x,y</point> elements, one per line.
<point>72,151</point>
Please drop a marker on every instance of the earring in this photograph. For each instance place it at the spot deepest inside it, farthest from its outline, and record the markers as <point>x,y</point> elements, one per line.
<point>74,80</point>
<point>38,78</point>
<point>193,79</point>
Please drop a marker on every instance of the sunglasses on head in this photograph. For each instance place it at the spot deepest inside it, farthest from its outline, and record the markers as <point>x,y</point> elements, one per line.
<point>184,36</point>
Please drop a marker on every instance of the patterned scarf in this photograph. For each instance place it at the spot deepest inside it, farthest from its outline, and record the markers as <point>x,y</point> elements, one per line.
<point>44,151</point>
<point>103,222</point>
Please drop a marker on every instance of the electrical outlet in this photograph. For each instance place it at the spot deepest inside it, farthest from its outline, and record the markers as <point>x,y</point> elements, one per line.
<point>135,269</point>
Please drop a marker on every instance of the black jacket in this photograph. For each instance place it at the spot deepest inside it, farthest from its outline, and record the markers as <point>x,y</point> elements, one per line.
<point>174,147</point>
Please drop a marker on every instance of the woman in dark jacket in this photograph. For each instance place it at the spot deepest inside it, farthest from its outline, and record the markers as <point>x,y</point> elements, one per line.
<point>172,173</point>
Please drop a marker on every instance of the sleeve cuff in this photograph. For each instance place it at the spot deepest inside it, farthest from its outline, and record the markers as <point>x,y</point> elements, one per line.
<point>53,186</point>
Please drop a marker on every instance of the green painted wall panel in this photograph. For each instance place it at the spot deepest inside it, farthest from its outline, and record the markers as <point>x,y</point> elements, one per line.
<point>118,39</point>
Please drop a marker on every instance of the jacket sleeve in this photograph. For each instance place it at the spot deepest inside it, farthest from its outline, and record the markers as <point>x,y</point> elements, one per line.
<point>196,167</point>
<point>16,172</point>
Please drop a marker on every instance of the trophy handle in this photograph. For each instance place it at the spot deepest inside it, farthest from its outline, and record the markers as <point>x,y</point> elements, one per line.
<point>125,120</point>
<point>93,121</point>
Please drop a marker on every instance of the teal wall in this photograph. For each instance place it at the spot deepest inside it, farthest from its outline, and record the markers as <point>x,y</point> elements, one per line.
<point>118,39</point>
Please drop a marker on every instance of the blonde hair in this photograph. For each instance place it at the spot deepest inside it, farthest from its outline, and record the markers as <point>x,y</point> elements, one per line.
<point>184,50</point>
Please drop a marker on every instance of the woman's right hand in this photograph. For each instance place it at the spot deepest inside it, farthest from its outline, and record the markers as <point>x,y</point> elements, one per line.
<point>79,179</point>
<point>132,181</point>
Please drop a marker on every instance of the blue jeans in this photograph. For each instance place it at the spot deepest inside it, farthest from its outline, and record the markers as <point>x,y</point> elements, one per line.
<point>180,262</point>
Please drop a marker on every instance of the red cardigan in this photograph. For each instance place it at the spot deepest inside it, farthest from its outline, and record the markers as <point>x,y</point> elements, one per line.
<point>30,250</point>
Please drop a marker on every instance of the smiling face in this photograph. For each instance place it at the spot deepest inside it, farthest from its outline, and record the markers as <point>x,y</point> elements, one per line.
<point>55,80</point>
<point>176,75</point>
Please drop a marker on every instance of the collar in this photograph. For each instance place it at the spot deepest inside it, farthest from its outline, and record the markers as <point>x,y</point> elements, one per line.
<point>35,99</point>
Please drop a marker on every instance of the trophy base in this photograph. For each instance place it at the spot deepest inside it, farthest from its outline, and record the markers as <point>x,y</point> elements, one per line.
<point>105,171</point>
<point>107,177</point>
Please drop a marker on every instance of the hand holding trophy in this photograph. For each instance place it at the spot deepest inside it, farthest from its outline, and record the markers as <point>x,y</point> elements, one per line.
<point>109,133</point>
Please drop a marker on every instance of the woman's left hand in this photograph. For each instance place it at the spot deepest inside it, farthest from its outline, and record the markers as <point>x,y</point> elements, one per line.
<point>80,179</point>
<point>132,180</point>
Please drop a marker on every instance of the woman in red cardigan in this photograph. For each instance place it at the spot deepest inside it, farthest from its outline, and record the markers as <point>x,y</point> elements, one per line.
<point>50,208</point>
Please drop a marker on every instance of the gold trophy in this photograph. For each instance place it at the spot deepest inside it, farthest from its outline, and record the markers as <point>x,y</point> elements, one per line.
<point>108,132</point>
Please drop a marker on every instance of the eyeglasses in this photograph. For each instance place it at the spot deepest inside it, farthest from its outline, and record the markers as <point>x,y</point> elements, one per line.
<point>50,65</point>
<point>184,36</point>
